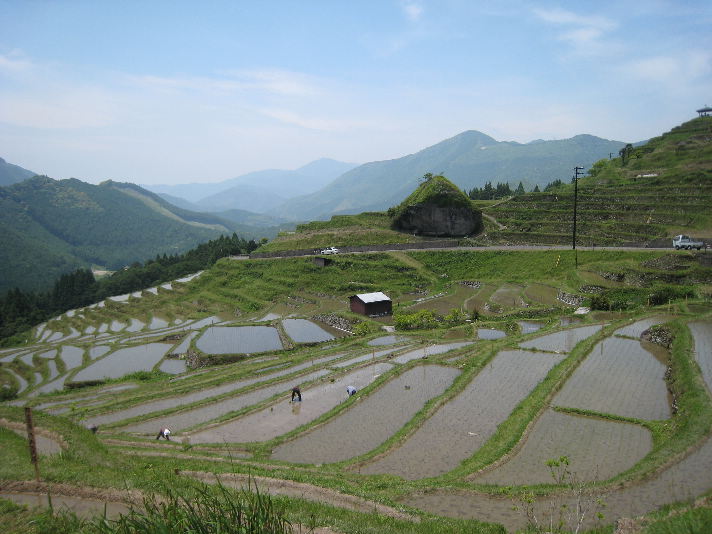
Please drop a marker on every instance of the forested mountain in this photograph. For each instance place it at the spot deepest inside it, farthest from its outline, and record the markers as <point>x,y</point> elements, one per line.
<point>51,227</point>
<point>469,160</point>
<point>11,174</point>
<point>258,191</point>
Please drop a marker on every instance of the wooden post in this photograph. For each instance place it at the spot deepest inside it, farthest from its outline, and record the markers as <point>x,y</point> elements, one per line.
<point>31,441</point>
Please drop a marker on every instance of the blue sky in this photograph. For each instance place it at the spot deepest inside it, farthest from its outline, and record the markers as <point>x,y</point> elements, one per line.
<point>175,92</point>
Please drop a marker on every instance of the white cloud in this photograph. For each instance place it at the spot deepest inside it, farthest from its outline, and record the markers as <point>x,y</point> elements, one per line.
<point>672,69</point>
<point>585,33</point>
<point>412,10</point>
<point>14,62</point>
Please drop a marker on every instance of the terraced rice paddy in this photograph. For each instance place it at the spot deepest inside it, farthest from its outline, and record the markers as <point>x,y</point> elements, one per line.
<point>239,340</point>
<point>490,333</point>
<point>72,356</point>
<point>562,341</point>
<point>432,350</point>
<point>637,328</point>
<point>371,420</point>
<point>619,377</point>
<point>124,361</point>
<point>702,333</point>
<point>204,414</point>
<point>303,331</point>
<point>598,449</point>
<point>285,415</point>
<point>463,424</point>
<point>201,394</point>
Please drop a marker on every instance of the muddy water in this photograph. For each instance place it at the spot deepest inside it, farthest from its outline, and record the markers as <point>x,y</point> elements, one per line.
<point>386,340</point>
<point>462,426</point>
<point>124,361</point>
<point>85,508</point>
<point>619,377</point>
<point>303,331</point>
<point>285,416</point>
<point>598,450</point>
<point>527,327</point>
<point>179,421</point>
<point>431,350</point>
<point>637,328</point>
<point>170,402</point>
<point>173,367</point>
<point>562,341</point>
<point>239,340</point>
<point>702,333</point>
<point>98,350</point>
<point>685,480</point>
<point>185,344</point>
<point>72,356</point>
<point>371,355</point>
<point>371,420</point>
<point>490,333</point>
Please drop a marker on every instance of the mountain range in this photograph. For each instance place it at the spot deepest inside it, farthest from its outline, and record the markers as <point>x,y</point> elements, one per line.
<point>469,160</point>
<point>260,191</point>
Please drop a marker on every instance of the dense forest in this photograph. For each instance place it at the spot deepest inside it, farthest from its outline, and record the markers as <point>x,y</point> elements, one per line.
<point>20,310</point>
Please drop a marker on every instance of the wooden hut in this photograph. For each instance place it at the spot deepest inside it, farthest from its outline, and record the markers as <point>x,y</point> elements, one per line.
<point>371,304</point>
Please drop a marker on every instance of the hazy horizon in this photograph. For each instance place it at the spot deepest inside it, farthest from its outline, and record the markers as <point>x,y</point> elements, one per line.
<point>177,92</point>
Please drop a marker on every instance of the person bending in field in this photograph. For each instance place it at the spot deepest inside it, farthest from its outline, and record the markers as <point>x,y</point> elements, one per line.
<point>164,433</point>
<point>296,393</point>
<point>351,390</point>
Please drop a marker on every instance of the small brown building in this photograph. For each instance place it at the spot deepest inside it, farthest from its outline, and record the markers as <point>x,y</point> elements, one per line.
<point>371,304</point>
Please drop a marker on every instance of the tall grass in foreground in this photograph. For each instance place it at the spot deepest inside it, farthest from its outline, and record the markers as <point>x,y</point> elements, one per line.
<point>205,512</point>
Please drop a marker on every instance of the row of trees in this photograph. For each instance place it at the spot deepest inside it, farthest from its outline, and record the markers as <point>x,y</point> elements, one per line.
<point>20,310</point>
<point>489,192</point>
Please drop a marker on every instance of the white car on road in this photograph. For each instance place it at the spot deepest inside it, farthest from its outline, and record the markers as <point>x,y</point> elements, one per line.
<point>330,250</point>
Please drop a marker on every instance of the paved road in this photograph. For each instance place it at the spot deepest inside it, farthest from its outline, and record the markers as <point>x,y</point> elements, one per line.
<point>482,248</point>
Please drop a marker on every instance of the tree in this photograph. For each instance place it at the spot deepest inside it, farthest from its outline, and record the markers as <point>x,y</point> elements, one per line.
<point>520,189</point>
<point>625,153</point>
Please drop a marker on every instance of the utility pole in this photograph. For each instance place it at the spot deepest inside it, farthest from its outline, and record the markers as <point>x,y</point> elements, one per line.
<point>577,172</point>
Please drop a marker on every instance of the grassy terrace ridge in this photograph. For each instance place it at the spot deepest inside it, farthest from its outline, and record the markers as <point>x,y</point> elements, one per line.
<point>504,287</point>
<point>662,188</point>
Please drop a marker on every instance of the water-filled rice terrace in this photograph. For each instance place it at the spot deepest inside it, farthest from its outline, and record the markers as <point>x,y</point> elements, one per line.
<point>426,411</point>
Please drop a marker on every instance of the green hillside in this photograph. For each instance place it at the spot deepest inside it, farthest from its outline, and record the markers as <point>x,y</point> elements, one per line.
<point>645,195</point>
<point>52,227</point>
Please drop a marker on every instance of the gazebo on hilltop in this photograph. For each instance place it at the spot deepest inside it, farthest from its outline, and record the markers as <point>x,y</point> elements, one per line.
<point>705,111</point>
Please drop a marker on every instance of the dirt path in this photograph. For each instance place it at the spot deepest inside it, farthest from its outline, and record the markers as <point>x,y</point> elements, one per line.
<point>290,488</point>
<point>123,498</point>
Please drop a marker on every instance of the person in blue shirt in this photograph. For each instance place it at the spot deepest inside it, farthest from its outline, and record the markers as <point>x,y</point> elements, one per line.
<point>351,390</point>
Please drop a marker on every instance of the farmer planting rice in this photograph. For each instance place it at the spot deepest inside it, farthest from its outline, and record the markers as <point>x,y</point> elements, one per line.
<point>296,392</point>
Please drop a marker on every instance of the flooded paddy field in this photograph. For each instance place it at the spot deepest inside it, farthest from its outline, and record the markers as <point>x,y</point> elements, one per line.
<point>173,366</point>
<point>702,334</point>
<point>387,340</point>
<point>203,393</point>
<point>562,341</point>
<point>364,357</point>
<point>239,340</point>
<point>618,377</point>
<point>637,328</point>
<point>463,424</point>
<point>123,362</point>
<point>303,331</point>
<point>508,296</point>
<point>529,327</point>
<point>72,356</point>
<point>371,420</point>
<point>597,448</point>
<point>490,333</point>
<point>430,350</point>
<point>285,415</point>
<point>206,413</point>
<point>681,481</point>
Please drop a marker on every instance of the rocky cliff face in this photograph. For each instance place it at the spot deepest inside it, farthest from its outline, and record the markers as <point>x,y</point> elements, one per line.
<point>429,219</point>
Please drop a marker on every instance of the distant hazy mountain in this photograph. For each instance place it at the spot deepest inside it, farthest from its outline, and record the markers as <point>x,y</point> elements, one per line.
<point>50,227</point>
<point>469,160</point>
<point>257,191</point>
<point>11,174</point>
